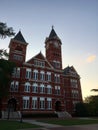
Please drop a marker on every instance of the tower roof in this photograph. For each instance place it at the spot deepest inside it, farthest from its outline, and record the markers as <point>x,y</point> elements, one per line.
<point>53,33</point>
<point>19,37</point>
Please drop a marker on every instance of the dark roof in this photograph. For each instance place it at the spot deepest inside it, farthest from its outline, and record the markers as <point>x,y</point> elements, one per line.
<point>70,71</point>
<point>66,70</point>
<point>19,37</point>
<point>53,34</point>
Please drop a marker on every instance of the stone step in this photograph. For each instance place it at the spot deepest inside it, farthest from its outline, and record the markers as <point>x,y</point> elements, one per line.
<point>63,114</point>
<point>12,115</point>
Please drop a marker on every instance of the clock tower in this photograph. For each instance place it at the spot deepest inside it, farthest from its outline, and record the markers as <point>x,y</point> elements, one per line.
<point>53,50</point>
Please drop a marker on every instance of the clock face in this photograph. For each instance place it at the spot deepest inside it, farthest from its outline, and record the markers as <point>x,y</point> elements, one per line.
<point>56,44</point>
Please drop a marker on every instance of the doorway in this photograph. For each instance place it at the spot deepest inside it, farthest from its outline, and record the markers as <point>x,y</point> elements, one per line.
<point>58,106</point>
<point>12,104</point>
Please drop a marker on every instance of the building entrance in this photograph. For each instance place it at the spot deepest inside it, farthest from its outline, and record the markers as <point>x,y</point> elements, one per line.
<point>12,104</point>
<point>58,106</point>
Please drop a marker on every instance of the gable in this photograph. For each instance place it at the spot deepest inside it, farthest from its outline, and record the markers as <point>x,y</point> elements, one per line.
<point>40,61</point>
<point>70,71</point>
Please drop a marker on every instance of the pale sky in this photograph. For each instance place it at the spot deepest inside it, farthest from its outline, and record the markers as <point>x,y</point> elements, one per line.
<point>76,24</point>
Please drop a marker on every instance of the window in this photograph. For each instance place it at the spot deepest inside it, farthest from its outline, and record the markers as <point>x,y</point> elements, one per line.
<point>35,74</point>
<point>49,89</point>
<point>48,76</point>
<point>35,88</point>
<point>34,102</point>
<point>26,102</point>
<point>42,103</point>
<point>39,63</point>
<point>75,93</point>
<point>27,87</point>
<point>28,73</point>
<point>56,64</point>
<point>49,103</point>
<point>57,90</point>
<point>42,75</point>
<point>57,78</point>
<point>74,83</point>
<point>17,57</point>
<point>16,72</point>
<point>14,86</point>
<point>42,88</point>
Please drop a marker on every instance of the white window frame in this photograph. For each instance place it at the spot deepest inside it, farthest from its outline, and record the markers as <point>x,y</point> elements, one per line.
<point>42,103</point>
<point>26,102</point>
<point>35,88</point>
<point>34,102</point>
<point>42,75</point>
<point>48,76</point>
<point>49,89</point>
<point>28,73</point>
<point>27,87</point>
<point>42,88</point>
<point>57,90</point>
<point>49,103</point>
<point>35,74</point>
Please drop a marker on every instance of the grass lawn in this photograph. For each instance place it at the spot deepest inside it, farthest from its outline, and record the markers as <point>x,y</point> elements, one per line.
<point>15,125</point>
<point>67,122</point>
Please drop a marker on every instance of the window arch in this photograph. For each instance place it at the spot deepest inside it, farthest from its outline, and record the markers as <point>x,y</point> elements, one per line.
<point>35,74</point>
<point>14,86</point>
<point>35,88</point>
<point>42,88</point>
<point>27,87</point>
<point>42,75</point>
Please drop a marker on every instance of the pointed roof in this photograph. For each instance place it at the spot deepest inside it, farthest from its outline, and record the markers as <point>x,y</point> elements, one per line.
<point>40,57</point>
<point>53,33</point>
<point>19,37</point>
<point>70,71</point>
<point>53,36</point>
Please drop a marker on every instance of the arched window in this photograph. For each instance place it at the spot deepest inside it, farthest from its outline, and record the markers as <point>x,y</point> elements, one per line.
<point>12,86</point>
<point>34,102</point>
<point>35,88</point>
<point>42,88</point>
<point>16,86</point>
<point>49,89</point>
<point>35,74</point>
<point>28,73</point>
<point>42,75</point>
<point>27,87</point>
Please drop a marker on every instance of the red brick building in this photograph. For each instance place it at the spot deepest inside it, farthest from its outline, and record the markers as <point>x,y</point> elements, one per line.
<point>40,84</point>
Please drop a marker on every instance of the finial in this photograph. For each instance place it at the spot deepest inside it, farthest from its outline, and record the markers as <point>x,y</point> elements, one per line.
<point>19,30</point>
<point>52,26</point>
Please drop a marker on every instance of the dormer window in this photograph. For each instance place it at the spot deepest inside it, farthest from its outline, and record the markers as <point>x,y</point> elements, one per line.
<point>39,63</point>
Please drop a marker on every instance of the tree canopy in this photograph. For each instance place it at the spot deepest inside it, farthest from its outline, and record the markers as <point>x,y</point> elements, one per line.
<point>5,30</point>
<point>6,67</point>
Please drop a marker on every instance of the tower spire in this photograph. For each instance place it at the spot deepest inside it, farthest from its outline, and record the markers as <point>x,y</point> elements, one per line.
<point>52,26</point>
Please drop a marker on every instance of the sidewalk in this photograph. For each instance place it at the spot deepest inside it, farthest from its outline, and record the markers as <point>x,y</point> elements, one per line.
<point>46,126</point>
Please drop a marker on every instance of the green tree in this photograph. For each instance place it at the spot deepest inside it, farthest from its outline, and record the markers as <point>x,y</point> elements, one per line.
<point>92,105</point>
<point>81,109</point>
<point>6,67</point>
<point>5,30</point>
<point>95,90</point>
